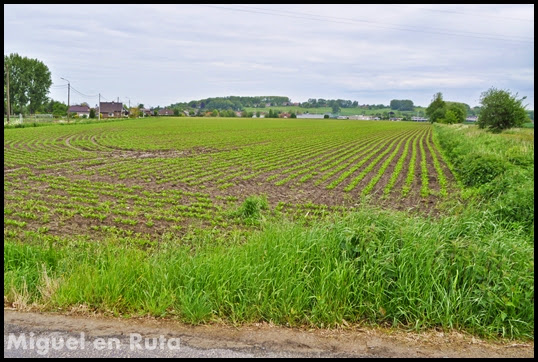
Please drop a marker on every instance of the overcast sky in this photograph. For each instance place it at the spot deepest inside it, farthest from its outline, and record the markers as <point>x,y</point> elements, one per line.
<point>372,53</point>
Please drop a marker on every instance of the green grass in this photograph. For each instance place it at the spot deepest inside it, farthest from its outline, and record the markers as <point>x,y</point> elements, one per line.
<point>371,266</point>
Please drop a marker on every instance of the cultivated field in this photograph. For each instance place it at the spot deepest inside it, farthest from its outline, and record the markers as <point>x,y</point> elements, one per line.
<point>156,178</point>
<point>316,223</point>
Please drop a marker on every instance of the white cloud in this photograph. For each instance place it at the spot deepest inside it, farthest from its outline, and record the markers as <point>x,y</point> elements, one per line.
<point>167,53</point>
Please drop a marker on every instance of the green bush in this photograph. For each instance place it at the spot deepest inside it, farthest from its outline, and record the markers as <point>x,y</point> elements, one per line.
<point>478,169</point>
<point>512,196</point>
<point>518,157</point>
<point>501,110</point>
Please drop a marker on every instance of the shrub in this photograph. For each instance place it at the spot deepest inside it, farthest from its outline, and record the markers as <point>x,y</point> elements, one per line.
<point>512,196</point>
<point>478,169</point>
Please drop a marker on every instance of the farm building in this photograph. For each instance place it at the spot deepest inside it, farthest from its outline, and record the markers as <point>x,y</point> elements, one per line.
<point>81,110</point>
<point>110,109</point>
<point>166,112</point>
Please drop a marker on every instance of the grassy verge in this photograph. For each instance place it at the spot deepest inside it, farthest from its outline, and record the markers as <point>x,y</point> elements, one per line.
<point>497,171</point>
<point>375,267</point>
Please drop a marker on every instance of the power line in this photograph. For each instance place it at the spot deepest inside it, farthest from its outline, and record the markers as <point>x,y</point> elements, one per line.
<point>465,13</point>
<point>82,94</point>
<point>355,21</point>
<point>106,99</point>
<point>433,30</point>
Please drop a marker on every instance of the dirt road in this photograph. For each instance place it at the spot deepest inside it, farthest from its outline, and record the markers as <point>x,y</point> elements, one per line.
<point>256,340</point>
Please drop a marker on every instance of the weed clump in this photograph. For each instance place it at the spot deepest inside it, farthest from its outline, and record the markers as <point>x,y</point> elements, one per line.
<point>250,210</point>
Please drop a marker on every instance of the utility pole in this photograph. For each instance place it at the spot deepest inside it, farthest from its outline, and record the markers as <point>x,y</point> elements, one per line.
<point>68,96</point>
<point>8,107</point>
<point>99,107</point>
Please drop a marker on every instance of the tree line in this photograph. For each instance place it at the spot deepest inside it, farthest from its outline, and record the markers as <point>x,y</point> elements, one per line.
<point>500,110</point>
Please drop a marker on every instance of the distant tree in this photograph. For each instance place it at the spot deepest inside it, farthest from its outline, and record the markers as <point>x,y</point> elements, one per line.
<point>92,113</point>
<point>475,111</point>
<point>134,112</point>
<point>335,108</point>
<point>459,112</point>
<point>437,108</point>
<point>450,117</point>
<point>501,110</point>
<point>59,109</point>
<point>258,114</point>
<point>406,105</point>
<point>29,82</point>
<point>293,115</point>
<point>325,116</point>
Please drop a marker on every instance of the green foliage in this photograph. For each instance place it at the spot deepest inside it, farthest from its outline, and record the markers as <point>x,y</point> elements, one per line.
<point>92,113</point>
<point>29,82</point>
<point>402,105</point>
<point>458,112</point>
<point>437,108</point>
<point>478,168</point>
<point>501,110</point>
<point>450,118</point>
<point>335,108</point>
<point>497,168</point>
<point>59,109</point>
<point>251,209</point>
<point>368,266</point>
<point>446,112</point>
<point>511,196</point>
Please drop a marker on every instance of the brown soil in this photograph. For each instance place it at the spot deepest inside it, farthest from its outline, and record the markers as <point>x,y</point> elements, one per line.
<point>348,341</point>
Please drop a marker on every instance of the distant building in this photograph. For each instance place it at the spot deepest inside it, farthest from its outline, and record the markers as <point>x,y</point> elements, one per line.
<point>146,112</point>
<point>419,119</point>
<point>362,117</point>
<point>166,112</point>
<point>309,115</point>
<point>471,119</point>
<point>111,109</point>
<point>81,111</point>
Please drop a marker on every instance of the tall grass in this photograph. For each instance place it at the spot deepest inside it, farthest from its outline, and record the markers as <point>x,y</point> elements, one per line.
<point>370,266</point>
<point>497,170</point>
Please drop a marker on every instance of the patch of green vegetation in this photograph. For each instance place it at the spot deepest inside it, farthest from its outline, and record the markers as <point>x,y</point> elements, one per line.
<point>369,266</point>
<point>251,209</point>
